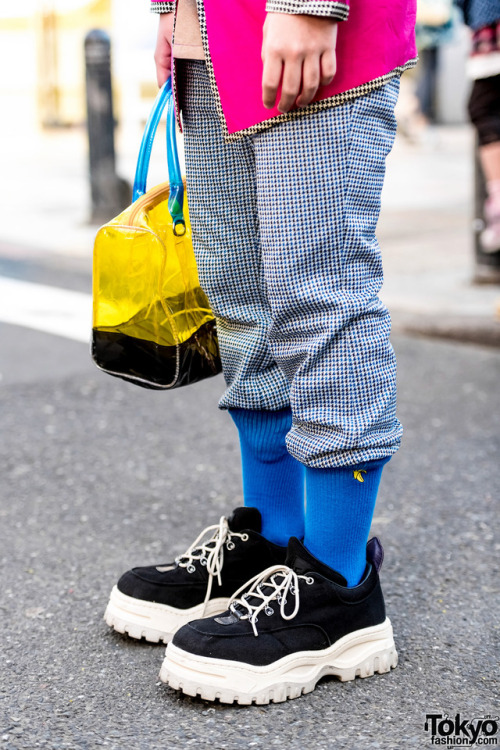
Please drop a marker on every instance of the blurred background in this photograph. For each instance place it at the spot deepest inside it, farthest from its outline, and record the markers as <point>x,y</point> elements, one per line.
<point>44,146</point>
<point>48,209</point>
<point>98,474</point>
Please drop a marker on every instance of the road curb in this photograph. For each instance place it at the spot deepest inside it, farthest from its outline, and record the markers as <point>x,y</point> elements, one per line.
<point>471,329</point>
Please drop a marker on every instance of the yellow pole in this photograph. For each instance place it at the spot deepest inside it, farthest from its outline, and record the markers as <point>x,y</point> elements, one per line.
<point>49,95</point>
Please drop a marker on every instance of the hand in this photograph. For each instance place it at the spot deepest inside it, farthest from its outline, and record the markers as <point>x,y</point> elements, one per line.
<point>298,52</point>
<point>163,51</point>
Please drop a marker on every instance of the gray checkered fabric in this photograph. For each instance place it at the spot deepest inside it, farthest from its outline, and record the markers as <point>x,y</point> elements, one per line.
<point>327,8</point>
<point>284,235</point>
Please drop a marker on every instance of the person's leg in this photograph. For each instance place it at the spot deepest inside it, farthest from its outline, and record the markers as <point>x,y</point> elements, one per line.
<point>484,111</point>
<point>319,181</point>
<point>273,481</point>
<point>425,90</point>
<point>489,155</point>
<point>340,505</point>
<point>222,201</point>
<point>221,193</point>
<point>154,601</point>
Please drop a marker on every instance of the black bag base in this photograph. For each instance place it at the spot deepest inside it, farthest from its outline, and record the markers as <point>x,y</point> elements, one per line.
<point>155,366</point>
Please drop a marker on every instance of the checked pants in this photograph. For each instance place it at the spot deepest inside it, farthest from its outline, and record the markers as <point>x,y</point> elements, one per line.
<point>284,234</point>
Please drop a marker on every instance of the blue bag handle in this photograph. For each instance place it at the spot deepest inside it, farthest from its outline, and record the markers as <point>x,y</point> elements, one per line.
<point>176,194</point>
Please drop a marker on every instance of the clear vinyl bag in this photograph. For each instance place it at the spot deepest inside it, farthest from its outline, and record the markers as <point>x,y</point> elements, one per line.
<point>152,323</point>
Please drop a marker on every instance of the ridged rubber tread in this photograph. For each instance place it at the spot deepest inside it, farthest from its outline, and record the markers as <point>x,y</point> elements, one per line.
<point>156,623</point>
<point>382,657</point>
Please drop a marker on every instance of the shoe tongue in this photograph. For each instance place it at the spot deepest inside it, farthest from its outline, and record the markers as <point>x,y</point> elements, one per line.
<point>302,562</point>
<point>244,519</point>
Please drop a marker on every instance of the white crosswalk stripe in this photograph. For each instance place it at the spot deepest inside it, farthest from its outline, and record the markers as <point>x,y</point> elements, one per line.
<point>46,308</point>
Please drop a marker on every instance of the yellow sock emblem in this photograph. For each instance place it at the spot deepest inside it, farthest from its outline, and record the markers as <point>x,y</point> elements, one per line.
<point>358,474</point>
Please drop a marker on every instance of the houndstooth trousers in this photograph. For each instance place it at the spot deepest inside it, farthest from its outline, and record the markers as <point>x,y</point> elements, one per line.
<point>284,235</point>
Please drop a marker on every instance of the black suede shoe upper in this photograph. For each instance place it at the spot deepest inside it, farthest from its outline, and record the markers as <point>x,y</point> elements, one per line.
<point>327,610</point>
<point>184,587</point>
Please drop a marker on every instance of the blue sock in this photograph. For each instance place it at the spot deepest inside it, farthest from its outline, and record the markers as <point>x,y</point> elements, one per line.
<point>339,511</point>
<point>273,481</point>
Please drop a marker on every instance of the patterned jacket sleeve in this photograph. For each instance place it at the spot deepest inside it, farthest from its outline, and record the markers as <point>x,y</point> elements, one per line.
<point>162,6</point>
<point>337,9</point>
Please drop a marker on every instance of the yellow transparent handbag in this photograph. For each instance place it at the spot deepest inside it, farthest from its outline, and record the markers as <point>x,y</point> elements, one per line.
<point>152,323</point>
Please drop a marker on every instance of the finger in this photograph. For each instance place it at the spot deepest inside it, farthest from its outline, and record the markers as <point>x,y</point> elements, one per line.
<point>163,60</point>
<point>163,73</point>
<point>271,79</point>
<point>310,80</point>
<point>328,64</point>
<point>264,45</point>
<point>292,79</point>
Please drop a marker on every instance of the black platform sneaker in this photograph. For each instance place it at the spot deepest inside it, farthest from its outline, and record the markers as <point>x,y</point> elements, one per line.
<point>153,602</point>
<point>283,631</point>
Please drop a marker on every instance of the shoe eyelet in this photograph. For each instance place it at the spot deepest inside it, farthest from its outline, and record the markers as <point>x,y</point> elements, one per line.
<point>292,589</point>
<point>191,569</point>
<point>203,561</point>
<point>230,545</point>
<point>280,599</point>
<point>269,611</point>
<point>245,537</point>
<point>309,580</point>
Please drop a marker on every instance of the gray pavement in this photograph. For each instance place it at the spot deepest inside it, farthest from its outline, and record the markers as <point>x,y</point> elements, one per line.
<point>99,475</point>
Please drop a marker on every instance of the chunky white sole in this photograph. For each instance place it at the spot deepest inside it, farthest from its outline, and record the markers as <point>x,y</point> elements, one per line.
<point>154,622</point>
<point>359,654</point>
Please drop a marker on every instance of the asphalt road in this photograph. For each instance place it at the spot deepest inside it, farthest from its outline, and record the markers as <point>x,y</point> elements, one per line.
<point>99,475</point>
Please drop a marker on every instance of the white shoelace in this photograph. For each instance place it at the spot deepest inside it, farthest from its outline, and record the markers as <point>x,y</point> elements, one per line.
<point>210,553</point>
<point>288,584</point>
